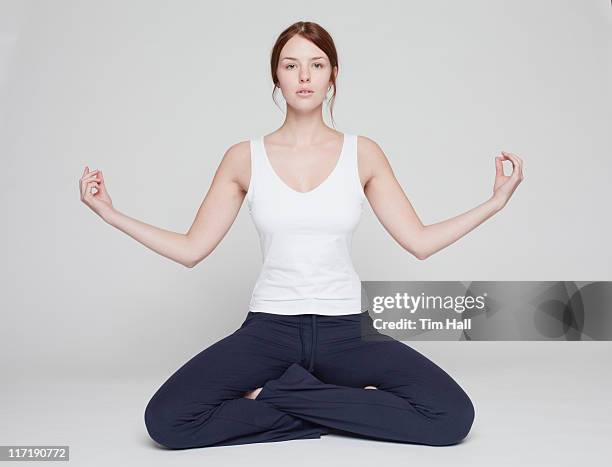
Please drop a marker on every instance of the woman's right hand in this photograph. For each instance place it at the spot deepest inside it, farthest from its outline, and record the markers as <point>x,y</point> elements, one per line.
<point>505,185</point>
<point>100,202</point>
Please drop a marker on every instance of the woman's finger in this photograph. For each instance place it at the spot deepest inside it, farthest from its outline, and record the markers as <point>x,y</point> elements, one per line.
<point>102,184</point>
<point>515,162</point>
<point>509,155</point>
<point>511,159</point>
<point>93,177</point>
<point>90,174</point>
<point>90,179</point>
<point>516,166</point>
<point>85,184</point>
<point>90,185</point>
<point>87,178</point>
<point>83,187</point>
<point>499,166</point>
<point>521,165</point>
<point>81,181</point>
<point>517,158</point>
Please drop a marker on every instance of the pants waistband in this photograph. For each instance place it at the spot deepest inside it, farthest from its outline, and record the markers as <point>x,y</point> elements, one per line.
<point>308,317</point>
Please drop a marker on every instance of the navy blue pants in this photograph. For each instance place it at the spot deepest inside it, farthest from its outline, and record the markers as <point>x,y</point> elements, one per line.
<point>313,370</point>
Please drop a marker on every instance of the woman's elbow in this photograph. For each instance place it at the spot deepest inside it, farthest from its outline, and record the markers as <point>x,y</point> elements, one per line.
<point>195,253</point>
<point>416,245</point>
<point>189,260</point>
<point>421,255</point>
<point>192,262</point>
<point>416,251</point>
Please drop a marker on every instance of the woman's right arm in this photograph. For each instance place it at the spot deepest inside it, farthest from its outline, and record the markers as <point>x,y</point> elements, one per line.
<point>213,220</point>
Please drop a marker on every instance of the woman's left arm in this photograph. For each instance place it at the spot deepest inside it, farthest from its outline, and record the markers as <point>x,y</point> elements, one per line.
<point>398,217</point>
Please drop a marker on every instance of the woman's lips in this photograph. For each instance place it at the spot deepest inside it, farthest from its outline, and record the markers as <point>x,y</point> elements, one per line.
<point>304,93</point>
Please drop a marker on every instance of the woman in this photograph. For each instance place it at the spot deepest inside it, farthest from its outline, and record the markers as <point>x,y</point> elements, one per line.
<point>299,367</point>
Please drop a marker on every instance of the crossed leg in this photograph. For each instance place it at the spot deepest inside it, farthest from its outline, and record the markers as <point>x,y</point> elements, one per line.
<point>417,401</point>
<point>202,403</point>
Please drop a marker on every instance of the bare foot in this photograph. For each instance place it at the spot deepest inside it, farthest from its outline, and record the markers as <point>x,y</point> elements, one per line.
<point>253,394</point>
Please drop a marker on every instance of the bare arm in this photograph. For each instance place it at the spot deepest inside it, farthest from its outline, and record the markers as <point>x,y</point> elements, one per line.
<point>172,245</point>
<point>398,217</point>
<point>222,202</point>
<point>213,220</point>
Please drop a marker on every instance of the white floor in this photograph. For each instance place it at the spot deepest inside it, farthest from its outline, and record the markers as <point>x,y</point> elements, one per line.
<point>537,403</point>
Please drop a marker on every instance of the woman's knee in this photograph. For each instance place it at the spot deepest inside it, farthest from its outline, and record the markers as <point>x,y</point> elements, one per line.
<point>158,421</point>
<point>456,422</point>
<point>164,426</point>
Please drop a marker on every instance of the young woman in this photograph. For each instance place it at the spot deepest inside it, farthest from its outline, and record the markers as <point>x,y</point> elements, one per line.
<point>299,366</point>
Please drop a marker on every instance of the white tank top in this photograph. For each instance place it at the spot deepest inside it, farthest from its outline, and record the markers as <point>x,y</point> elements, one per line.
<point>305,238</point>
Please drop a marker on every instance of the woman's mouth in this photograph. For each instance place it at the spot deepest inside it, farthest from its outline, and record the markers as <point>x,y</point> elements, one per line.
<point>304,93</point>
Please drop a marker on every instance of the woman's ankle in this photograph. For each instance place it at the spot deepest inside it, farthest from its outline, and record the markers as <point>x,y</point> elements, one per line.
<point>253,394</point>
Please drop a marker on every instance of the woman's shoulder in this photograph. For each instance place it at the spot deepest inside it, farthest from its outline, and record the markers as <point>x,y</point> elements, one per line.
<point>239,150</point>
<point>236,163</point>
<point>370,155</point>
<point>368,147</point>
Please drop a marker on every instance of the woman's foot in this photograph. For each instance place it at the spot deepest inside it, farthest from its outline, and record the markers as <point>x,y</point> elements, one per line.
<point>253,394</point>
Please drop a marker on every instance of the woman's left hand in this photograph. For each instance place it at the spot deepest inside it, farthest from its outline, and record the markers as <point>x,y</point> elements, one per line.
<point>506,184</point>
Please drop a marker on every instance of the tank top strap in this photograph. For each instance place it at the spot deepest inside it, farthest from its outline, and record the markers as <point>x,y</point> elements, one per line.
<point>348,149</point>
<point>350,164</point>
<point>257,165</point>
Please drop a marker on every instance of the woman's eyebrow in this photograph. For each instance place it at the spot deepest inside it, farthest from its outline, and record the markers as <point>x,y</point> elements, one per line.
<point>293,58</point>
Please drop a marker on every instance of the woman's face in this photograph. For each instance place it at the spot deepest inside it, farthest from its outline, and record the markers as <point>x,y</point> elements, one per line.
<point>303,65</point>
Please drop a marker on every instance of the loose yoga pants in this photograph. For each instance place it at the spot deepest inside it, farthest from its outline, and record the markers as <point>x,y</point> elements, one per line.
<point>313,369</point>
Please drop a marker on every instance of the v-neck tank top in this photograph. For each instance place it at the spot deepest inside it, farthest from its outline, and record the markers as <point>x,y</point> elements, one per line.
<point>306,237</point>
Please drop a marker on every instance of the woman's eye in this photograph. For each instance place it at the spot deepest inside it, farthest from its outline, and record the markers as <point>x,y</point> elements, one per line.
<point>319,65</point>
